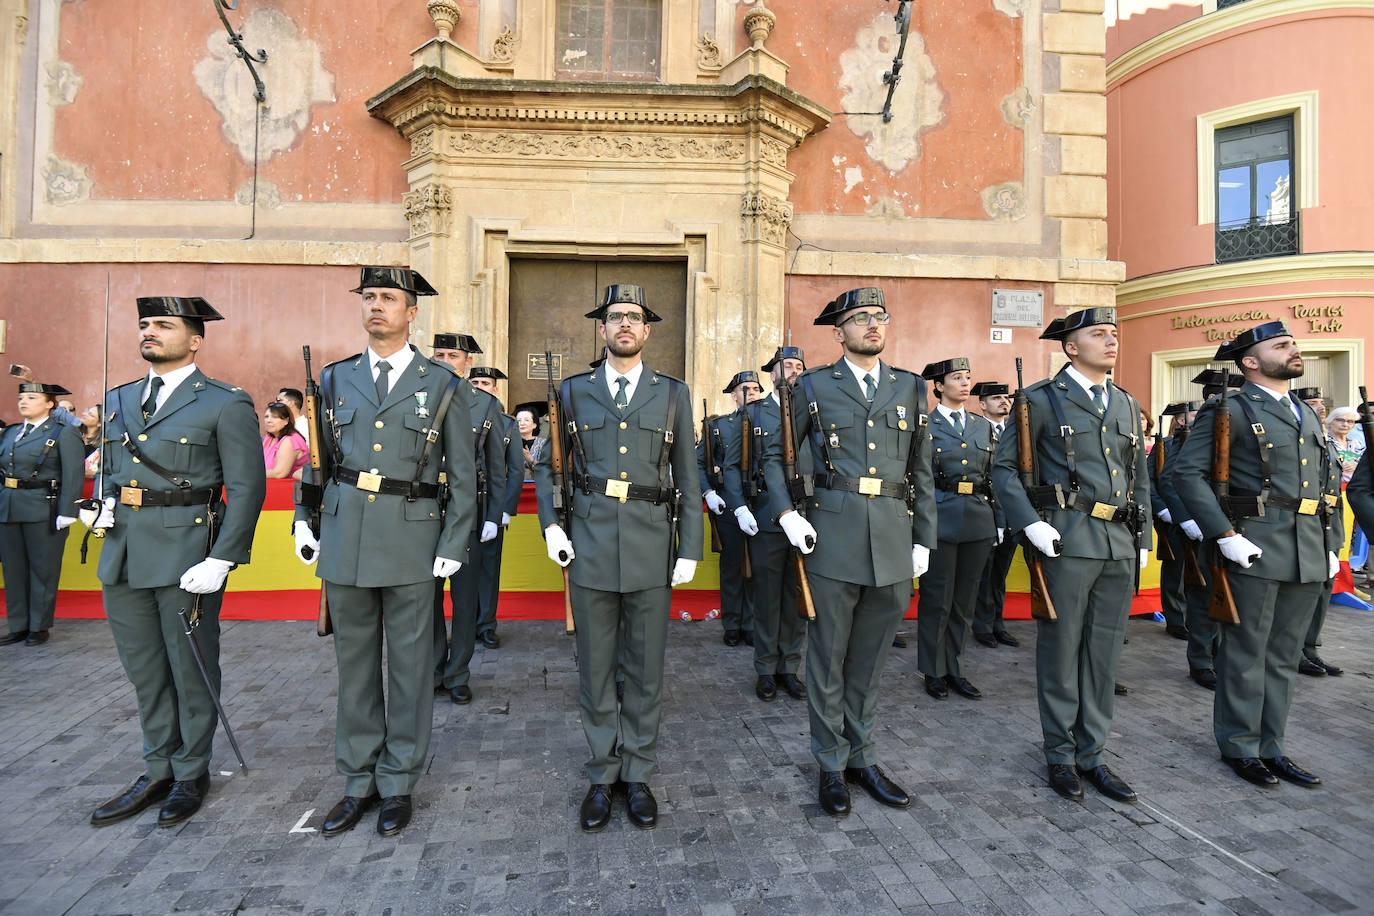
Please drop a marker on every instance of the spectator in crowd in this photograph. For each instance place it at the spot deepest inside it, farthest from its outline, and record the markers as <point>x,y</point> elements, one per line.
<point>527,419</point>
<point>90,438</point>
<point>283,449</point>
<point>294,399</point>
<point>1340,425</point>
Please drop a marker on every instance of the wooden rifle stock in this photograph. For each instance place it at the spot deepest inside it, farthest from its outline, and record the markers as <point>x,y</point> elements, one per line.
<point>1222,603</point>
<point>561,490</point>
<point>710,457</point>
<point>1163,549</point>
<point>1042,606</point>
<point>746,568</point>
<point>323,625</point>
<point>806,607</point>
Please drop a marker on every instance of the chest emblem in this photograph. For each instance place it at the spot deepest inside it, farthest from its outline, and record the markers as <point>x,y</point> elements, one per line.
<point>420,398</point>
<point>834,440</point>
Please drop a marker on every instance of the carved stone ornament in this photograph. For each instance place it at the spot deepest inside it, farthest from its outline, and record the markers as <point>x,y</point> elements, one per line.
<point>1012,8</point>
<point>1018,107</point>
<point>445,15</point>
<point>63,83</point>
<point>552,145</point>
<point>65,182</point>
<point>773,152</point>
<point>503,48</point>
<point>1005,202</point>
<point>766,218</point>
<point>422,142</point>
<point>427,209</point>
<point>269,195</point>
<point>708,53</point>
<point>759,23</point>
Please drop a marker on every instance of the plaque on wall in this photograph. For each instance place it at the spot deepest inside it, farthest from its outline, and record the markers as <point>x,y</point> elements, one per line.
<point>1018,308</point>
<point>538,369</point>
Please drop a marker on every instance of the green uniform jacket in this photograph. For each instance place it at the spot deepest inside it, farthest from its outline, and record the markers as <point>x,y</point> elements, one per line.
<point>374,540</point>
<point>765,420</point>
<point>1294,545</point>
<point>206,432</point>
<point>967,458</point>
<point>51,451</point>
<point>860,539</point>
<point>487,409</point>
<point>726,432</point>
<point>515,466</point>
<point>1360,492</point>
<point>623,546</point>
<point>1109,453</point>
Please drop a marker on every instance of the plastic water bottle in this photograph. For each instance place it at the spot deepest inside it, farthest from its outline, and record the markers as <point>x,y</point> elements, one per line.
<point>1157,616</point>
<point>712,614</point>
<point>684,616</point>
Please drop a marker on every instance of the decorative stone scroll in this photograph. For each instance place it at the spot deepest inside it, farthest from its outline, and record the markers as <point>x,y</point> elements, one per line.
<point>773,152</point>
<point>427,209</point>
<point>551,145</point>
<point>766,218</point>
<point>503,48</point>
<point>1018,108</point>
<point>708,53</point>
<point>1005,202</point>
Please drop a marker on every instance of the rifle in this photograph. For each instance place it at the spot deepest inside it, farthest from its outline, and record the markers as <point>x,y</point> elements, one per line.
<point>747,568</point>
<point>798,489</point>
<point>1163,549</point>
<point>97,501</point>
<point>1222,604</point>
<point>319,472</point>
<point>712,472</point>
<point>1192,570</point>
<point>562,482</point>
<point>1042,606</point>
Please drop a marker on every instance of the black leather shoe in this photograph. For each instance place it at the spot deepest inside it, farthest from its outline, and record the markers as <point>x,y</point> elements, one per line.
<point>1109,784</point>
<point>640,805</point>
<point>1284,768</point>
<point>140,795</point>
<point>14,637</point>
<point>899,641</point>
<point>834,794</point>
<point>883,790</point>
<point>490,639</point>
<point>1252,769</point>
<point>1120,689</point>
<point>748,637</point>
<point>985,639</point>
<point>183,800</point>
<point>1065,781</point>
<point>1332,670</point>
<point>794,686</point>
<point>1204,677</point>
<point>394,816</point>
<point>1007,639</point>
<point>765,688</point>
<point>961,686</point>
<point>461,695</point>
<point>731,638</point>
<point>344,816</point>
<point>596,808</point>
<point>1176,631</point>
<point>36,638</point>
<point>936,688</point>
<point>1309,667</point>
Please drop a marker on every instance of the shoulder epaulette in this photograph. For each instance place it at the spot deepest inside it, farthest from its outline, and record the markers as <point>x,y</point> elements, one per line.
<point>588,372</point>
<point>223,386</point>
<point>814,369</point>
<point>664,375</point>
<point>1040,384</point>
<point>346,359</point>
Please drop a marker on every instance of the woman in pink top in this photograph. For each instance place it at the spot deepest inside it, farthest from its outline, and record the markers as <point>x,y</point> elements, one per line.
<point>283,449</point>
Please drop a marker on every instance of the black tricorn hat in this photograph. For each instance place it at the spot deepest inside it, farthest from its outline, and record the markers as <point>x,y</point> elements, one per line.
<point>934,372</point>
<point>782,353</point>
<point>402,278</point>
<point>746,375</point>
<point>622,293</point>
<point>1212,378</point>
<point>1060,328</point>
<point>486,372</point>
<point>1174,410</point>
<point>538,408</point>
<point>41,388</point>
<point>464,342</point>
<point>1235,349</point>
<point>596,363</point>
<point>1308,394</point>
<point>862,297</point>
<point>177,307</point>
<point>989,389</point>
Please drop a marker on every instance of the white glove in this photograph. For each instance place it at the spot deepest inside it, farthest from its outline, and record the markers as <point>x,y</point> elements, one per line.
<point>307,546</point>
<point>1333,565</point>
<point>1238,550</point>
<point>1164,516</point>
<point>747,523</point>
<point>560,548</point>
<point>1144,559</point>
<point>798,530</point>
<point>714,502</point>
<point>65,521</point>
<point>1044,537</point>
<point>205,577</point>
<point>920,560</point>
<point>505,519</point>
<point>488,532</point>
<point>683,571</point>
<point>1001,535</point>
<point>106,519</point>
<point>1191,529</point>
<point>444,567</point>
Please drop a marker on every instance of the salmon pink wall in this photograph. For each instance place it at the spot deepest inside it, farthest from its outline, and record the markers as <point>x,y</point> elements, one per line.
<point>1131,22</point>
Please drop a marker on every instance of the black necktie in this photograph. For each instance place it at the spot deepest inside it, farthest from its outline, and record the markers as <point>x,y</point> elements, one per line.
<point>383,383</point>
<point>621,402</point>
<point>870,388</point>
<point>24,431</point>
<point>150,403</point>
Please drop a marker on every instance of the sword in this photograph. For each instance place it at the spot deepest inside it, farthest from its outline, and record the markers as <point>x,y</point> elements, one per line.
<point>97,502</point>
<point>189,628</point>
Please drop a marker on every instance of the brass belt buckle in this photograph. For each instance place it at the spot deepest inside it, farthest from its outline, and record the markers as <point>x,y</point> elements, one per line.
<point>618,489</point>
<point>965,487</point>
<point>1104,511</point>
<point>870,486</point>
<point>372,483</point>
<point>131,496</point>
<point>12,483</point>
<point>1332,500</point>
<point>1307,507</point>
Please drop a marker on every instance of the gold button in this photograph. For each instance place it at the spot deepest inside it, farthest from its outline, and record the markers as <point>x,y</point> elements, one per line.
<point>870,422</point>
<point>1113,472</point>
<point>372,497</point>
<point>965,461</point>
<point>1107,450</point>
<point>198,521</point>
<point>1304,462</point>
<point>1118,492</point>
<point>373,471</point>
<point>376,446</point>
<point>623,424</point>
<point>142,437</point>
<point>1304,483</point>
<point>379,424</point>
<point>623,450</point>
<point>1300,441</point>
<point>872,470</point>
<point>584,425</point>
<point>963,445</point>
<point>871,446</point>
<point>137,461</point>
<point>938,450</point>
<point>135,508</point>
<point>624,476</point>
<point>183,440</point>
<point>832,426</point>
<point>622,499</point>
<point>431,515</point>
<point>133,483</point>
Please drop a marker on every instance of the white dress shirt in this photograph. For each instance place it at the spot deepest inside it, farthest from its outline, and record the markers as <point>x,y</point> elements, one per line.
<point>398,361</point>
<point>170,381</point>
<point>631,379</point>
<point>876,373</point>
<point>1088,383</point>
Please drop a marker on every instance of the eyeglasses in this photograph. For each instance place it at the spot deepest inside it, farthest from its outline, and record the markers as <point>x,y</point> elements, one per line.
<point>624,318</point>
<point>862,319</point>
<point>1344,420</point>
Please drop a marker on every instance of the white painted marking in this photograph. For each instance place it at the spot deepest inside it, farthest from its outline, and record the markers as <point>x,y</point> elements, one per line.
<point>226,772</point>
<point>300,824</point>
<point>1193,833</point>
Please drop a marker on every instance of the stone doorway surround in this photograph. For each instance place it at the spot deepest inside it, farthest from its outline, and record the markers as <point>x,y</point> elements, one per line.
<point>505,167</point>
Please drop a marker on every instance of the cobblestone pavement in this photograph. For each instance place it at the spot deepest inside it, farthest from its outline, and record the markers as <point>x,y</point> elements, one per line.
<point>740,831</point>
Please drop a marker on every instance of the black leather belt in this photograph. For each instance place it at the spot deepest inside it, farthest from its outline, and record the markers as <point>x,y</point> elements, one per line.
<point>620,489</point>
<point>1054,496</point>
<point>28,483</point>
<point>201,496</point>
<point>966,487</point>
<point>1247,506</point>
<point>867,486</point>
<point>376,483</point>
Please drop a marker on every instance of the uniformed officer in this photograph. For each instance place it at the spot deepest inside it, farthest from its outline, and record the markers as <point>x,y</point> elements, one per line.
<point>637,537</point>
<point>1273,528</point>
<point>1172,599</point>
<point>44,466</point>
<point>175,441</point>
<point>395,420</point>
<point>989,628</point>
<point>1094,493</point>
<point>484,378</point>
<point>1359,491</point>
<point>1311,663</point>
<point>736,592</point>
<point>778,630</point>
<point>962,447</point>
<point>861,425</point>
<point>453,656</point>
